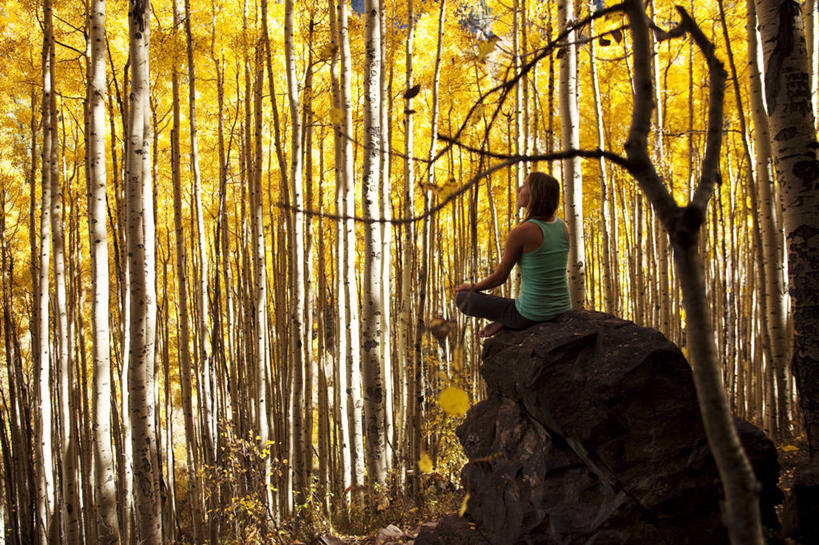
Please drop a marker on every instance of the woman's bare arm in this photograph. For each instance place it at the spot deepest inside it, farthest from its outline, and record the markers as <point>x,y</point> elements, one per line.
<point>513,248</point>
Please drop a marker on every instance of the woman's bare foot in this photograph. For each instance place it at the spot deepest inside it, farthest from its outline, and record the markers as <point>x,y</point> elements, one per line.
<point>490,330</point>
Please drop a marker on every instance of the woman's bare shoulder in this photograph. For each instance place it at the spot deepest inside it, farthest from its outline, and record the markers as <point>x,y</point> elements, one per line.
<point>525,230</point>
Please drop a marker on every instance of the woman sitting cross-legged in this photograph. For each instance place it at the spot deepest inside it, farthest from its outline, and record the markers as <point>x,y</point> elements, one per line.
<point>540,246</point>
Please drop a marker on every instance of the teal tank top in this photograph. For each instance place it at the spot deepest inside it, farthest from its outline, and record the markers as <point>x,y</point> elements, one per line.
<point>544,290</point>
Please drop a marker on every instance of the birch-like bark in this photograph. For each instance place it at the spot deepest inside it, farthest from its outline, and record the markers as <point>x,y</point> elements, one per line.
<point>518,147</point>
<point>45,462</point>
<point>306,440</point>
<point>570,139</point>
<point>104,484</point>
<point>385,212</point>
<point>773,268</point>
<point>339,371</point>
<point>201,288</point>
<point>141,251</point>
<point>371,331</point>
<point>296,251</point>
<point>184,357</point>
<point>792,124</point>
<point>811,11</point>
<point>259,288</point>
<point>404,437</point>
<point>348,189</point>
<point>605,216</point>
<point>658,147</point>
<point>69,502</point>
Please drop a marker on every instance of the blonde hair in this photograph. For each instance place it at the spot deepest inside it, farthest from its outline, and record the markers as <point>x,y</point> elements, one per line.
<point>544,195</point>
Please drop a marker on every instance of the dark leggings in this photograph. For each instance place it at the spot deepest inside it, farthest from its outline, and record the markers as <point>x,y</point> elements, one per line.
<point>491,307</point>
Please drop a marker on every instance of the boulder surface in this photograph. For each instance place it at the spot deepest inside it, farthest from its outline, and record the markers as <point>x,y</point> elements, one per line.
<point>591,434</point>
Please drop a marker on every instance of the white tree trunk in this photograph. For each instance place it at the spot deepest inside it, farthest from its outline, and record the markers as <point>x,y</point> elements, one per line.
<point>201,287</point>
<point>104,485</point>
<point>184,357</point>
<point>296,247</point>
<point>45,481</point>
<point>774,288</point>
<point>372,301</point>
<point>793,128</point>
<point>353,329</point>
<point>339,372</point>
<point>141,252</point>
<point>385,211</point>
<point>812,38</point>
<point>605,215</point>
<point>403,349</point>
<point>570,139</point>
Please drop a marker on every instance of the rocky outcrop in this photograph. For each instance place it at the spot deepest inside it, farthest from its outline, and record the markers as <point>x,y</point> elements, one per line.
<point>590,434</point>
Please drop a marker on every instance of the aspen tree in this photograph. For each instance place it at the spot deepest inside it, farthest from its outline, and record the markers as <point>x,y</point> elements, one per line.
<point>201,287</point>
<point>170,513</point>
<point>405,435</point>
<point>340,399</point>
<point>605,218</point>
<point>385,213</point>
<point>45,469</point>
<point>792,123</point>
<point>184,357</point>
<point>104,487</point>
<point>16,455</point>
<point>222,253</point>
<point>419,386</point>
<point>773,286</point>
<point>296,245</point>
<point>306,440</point>
<point>323,311</point>
<point>259,293</point>
<point>351,299</point>
<point>141,283</point>
<point>372,303</point>
<point>516,143</point>
<point>32,235</point>
<point>658,146</point>
<point>296,252</point>
<point>758,173</point>
<point>811,11</point>
<point>570,138</point>
<point>68,454</point>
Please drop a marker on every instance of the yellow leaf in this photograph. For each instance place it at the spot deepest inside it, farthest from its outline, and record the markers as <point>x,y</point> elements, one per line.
<point>487,47</point>
<point>336,116</point>
<point>425,463</point>
<point>789,448</point>
<point>454,401</point>
<point>449,187</point>
<point>327,51</point>
<point>462,510</point>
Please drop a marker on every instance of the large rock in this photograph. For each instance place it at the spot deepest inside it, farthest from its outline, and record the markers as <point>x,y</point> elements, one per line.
<point>590,434</point>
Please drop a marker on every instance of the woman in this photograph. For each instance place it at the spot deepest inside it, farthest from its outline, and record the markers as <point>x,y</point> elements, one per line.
<point>540,246</point>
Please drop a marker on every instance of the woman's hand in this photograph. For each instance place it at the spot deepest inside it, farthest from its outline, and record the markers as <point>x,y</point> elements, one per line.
<point>466,286</point>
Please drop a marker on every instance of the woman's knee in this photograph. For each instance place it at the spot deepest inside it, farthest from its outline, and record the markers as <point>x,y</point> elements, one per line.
<point>461,300</point>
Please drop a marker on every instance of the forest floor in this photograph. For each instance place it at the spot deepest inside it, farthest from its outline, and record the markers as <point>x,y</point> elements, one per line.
<point>400,525</point>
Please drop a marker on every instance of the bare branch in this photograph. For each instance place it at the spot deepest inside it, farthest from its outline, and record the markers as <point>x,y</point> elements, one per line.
<point>566,154</point>
<point>508,161</point>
